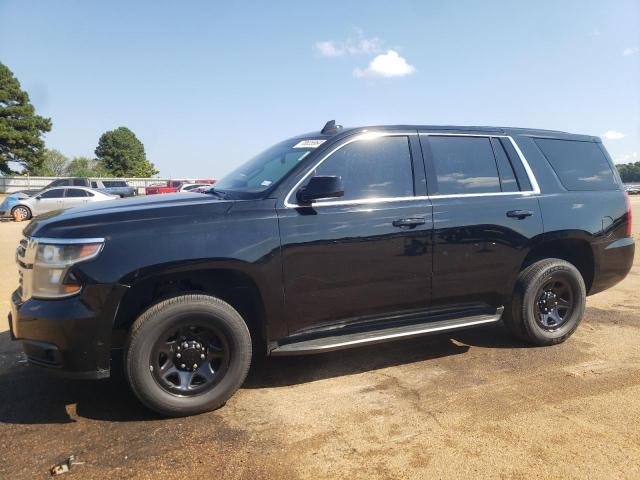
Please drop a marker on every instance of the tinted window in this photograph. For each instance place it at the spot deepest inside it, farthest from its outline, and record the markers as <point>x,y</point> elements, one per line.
<point>60,183</point>
<point>378,168</point>
<point>507,176</point>
<point>114,183</point>
<point>579,165</point>
<point>464,165</point>
<point>516,163</point>
<point>94,184</point>
<point>75,193</point>
<point>57,193</point>
<point>79,182</point>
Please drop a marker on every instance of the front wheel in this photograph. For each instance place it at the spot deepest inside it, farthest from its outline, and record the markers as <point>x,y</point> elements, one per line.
<point>187,355</point>
<point>548,302</point>
<point>21,212</point>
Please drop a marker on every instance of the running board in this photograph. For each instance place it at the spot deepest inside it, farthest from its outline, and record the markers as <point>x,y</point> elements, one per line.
<point>348,340</point>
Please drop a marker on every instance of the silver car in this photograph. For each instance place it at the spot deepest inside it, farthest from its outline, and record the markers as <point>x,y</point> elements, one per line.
<point>56,199</point>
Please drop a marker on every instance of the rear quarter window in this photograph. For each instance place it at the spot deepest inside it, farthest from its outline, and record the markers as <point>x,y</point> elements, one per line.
<point>579,165</point>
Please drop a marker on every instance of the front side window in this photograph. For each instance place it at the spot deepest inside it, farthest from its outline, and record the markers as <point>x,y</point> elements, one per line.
<point>78,182</point>
<point>464,165</point>
<point>372,168</point>
<point>59,183</point>
<point>57,193</point>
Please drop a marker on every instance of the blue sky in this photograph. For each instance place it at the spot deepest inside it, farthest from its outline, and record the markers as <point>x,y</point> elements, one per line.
<point>206,85</point>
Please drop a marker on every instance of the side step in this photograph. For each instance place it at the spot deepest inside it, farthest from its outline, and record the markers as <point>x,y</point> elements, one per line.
<point>347,340</point>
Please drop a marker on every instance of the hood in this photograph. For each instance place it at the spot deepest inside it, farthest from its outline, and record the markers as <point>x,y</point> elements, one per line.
<point>98,219</point>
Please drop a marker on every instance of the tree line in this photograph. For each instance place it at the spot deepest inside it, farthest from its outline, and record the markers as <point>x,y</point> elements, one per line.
<point>119,152</point>
<point>629,172</point>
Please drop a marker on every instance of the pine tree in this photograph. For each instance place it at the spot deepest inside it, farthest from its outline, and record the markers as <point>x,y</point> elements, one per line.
<point>20,128</point>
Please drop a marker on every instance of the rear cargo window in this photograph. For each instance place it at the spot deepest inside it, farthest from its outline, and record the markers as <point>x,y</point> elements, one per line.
<point>579,165</point>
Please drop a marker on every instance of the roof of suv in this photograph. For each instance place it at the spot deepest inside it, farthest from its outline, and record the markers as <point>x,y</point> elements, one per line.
<point>531,132</point>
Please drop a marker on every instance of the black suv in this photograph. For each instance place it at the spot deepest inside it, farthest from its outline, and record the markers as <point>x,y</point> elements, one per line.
<point>328,240</point>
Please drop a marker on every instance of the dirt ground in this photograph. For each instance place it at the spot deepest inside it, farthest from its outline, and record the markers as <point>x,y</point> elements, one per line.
<point>471,405</point>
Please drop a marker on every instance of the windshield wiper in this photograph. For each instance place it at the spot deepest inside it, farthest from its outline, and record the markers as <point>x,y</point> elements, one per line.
<point>218,193</point>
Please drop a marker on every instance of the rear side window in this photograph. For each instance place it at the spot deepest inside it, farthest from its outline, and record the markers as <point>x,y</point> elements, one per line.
<point>79,182</point>
<point>75,193</point>
<point>376,168</point>
<point>464,165</point>
<point>507,175</point>
<point>579,165</point>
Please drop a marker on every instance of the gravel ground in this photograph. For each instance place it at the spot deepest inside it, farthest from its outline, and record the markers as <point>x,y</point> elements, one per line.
<point>471,405</point>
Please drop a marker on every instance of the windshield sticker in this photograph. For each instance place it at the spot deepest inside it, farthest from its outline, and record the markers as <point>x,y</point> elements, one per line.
<point>309,144</point>
<point>266,183</point>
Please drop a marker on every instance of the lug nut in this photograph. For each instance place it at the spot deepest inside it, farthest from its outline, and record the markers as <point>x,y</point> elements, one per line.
<point>202,355</point>
<point>195,365</point>
<point>178,355</point>
<point>182,365</point>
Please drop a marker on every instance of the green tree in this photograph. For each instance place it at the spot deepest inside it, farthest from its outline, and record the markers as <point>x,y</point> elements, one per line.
<point>629,172</point>
<point>54,164</point>
<point>85,167</point>
<point>20,128</point>
<point>122,154</point>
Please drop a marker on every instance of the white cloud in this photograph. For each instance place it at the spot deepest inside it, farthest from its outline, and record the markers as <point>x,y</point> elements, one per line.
<point>612,135</point>
<point>630,51</point>
<point>361,45</point>
<point>389,64</point>
<point>626,158</point>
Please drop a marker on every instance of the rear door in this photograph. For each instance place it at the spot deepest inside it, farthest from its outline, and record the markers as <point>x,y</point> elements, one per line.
<point>485,211</point>
<point>364,256</point>
<point>75,196</point>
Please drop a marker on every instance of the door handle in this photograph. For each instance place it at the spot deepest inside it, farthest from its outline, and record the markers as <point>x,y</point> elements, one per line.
<point>519,214</point>
<point>409,222</point>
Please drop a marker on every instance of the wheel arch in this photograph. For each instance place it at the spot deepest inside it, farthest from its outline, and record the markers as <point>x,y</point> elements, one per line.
<point>233,285</point>
<point>573,246</point>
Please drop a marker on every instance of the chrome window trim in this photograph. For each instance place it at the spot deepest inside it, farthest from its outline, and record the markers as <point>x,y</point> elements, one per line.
<point>535,187</point>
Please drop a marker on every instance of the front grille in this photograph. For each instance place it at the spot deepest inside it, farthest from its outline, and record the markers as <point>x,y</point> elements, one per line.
<point>25,256</point>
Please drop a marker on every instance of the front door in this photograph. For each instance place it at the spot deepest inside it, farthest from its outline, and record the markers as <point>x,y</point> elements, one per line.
<point>367,255</point>
<point>48,200</point>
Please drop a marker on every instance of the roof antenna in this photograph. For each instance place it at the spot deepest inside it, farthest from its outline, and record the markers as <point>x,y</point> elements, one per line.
<point>330,128</point>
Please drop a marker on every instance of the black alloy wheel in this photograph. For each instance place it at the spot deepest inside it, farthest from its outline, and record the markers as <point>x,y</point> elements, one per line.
<point>190,359</point>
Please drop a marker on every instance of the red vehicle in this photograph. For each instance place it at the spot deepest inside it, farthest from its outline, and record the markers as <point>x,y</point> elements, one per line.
<point>171,186</point>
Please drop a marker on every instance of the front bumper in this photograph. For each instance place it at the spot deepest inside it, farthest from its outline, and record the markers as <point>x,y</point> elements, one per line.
<point>71,335</point>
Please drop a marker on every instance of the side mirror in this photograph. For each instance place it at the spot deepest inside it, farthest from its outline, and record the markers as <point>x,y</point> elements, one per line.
<point>320,187</point>
<point>38,198</point>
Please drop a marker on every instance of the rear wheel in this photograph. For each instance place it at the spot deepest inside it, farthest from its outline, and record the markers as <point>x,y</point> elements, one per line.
<point>548,302</point>
<point>21,212</point>
<point>187,355</point>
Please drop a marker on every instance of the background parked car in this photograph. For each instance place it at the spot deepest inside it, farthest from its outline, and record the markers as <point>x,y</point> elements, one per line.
<point>56,198</point>
<point>116,187</point>
<point>192,187</point>
<point>632,189</point>
<point>171,186</point>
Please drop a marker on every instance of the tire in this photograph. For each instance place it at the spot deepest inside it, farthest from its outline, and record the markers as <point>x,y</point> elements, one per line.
<point>21,212</point>
<point>161,386</point>
<point>527,317</point>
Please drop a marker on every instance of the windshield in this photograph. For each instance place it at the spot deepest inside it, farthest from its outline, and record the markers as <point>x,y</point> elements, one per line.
<point>267,168</point>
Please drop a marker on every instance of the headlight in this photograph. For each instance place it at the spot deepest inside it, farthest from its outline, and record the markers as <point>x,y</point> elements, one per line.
<point>53,261</point>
